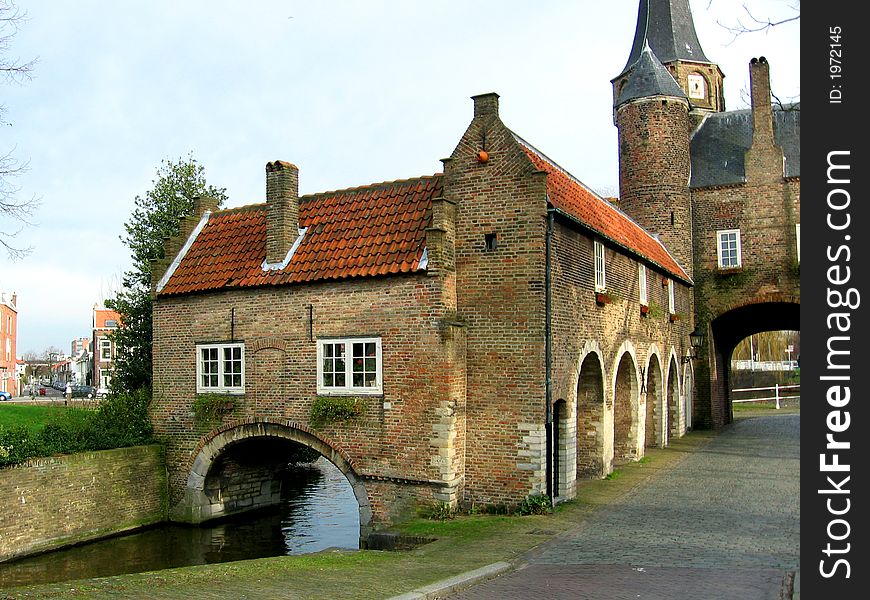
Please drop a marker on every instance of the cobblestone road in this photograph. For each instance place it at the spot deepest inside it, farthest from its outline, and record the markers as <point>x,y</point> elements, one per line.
<point>723,524</point>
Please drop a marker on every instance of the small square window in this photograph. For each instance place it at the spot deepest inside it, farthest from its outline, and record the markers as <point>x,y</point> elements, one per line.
<point>220,368</point>
<point>728,249</point>
<point>349,366</point>
<point>490,242</point>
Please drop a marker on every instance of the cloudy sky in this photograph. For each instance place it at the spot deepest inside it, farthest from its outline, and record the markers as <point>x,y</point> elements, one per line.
<point>351,92</point>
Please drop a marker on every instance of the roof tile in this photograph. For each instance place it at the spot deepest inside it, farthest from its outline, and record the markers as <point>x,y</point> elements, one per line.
<point>360,232</point>
<point>572,198</point>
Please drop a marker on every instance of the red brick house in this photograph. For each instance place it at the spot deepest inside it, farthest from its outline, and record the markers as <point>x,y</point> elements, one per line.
<point>8,339</point>
<point>490,332</point>
<point>104,322</point>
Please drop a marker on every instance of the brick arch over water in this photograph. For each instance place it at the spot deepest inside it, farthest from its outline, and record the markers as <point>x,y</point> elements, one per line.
<point>194,506</point>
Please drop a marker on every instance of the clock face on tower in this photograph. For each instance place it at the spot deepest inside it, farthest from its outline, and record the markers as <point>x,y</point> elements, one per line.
<point>697,86</point>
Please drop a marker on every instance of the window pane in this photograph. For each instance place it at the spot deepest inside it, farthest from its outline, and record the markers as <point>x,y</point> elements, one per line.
<point>357,380</point>
<point>340,379</point>
<point>371,379</point>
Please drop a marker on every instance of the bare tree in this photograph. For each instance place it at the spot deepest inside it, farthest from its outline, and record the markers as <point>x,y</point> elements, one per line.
<point>15,213</point>
<point>750,23</point>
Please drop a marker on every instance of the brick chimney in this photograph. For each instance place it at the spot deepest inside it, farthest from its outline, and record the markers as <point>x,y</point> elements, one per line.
<point>282,201</point>
<point>764,159</point>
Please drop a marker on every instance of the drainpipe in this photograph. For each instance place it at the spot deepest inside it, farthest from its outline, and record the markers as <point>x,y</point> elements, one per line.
<point>548,355</point>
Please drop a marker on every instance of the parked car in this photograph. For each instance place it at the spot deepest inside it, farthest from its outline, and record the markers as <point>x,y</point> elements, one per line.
<point>101,392</point>
<point>5,395</point>
<point>83,391</point>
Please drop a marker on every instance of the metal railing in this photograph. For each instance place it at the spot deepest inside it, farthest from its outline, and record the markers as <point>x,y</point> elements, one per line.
<point>777,396</point>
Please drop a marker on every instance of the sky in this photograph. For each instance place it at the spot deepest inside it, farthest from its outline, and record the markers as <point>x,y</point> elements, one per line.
<point>351,92</point>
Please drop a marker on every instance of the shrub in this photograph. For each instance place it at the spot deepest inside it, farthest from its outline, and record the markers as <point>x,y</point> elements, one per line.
<point>329,409</point>
<point>120,421</point>
<point>208,407</point>
<point>536,504</point>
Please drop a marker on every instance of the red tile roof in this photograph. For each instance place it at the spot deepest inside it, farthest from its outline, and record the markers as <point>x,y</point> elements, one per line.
<point>573,199</point>
<point>101,315</point>
<point>374,230</point>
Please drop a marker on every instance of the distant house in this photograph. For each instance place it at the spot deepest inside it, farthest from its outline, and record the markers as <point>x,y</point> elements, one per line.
<point>8,337</point>
<point>105,321</point>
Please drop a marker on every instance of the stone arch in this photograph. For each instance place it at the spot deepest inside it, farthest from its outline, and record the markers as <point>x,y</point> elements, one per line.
<point>564,451</point>
<point>762,312</point>
<point>654,432</point>
<point>594,450</point>
<point>688,395</point>
<point>196,506</point>
<point>626,406</point>
<point>674,427</point>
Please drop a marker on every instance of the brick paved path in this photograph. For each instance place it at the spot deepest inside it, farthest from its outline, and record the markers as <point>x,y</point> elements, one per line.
<point>723,524</point>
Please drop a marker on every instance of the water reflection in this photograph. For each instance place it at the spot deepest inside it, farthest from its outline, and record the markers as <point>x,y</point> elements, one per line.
<point>318,511</point>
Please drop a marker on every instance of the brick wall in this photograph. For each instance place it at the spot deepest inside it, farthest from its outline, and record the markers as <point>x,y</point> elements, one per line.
<point>590,343</point>
<point>500,299</point>
<point>58,501</point>
<point>409,432</point>
<point>766,214</point>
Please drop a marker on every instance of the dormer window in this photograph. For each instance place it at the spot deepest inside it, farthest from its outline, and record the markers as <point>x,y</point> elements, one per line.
<point>697,86</point>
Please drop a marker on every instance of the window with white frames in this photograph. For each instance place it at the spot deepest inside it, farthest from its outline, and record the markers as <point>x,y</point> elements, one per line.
<point>600,279</point>
<point>641,284</point>
<point>728,248</point>
<point>672,304</point>
<point>797,233</point>
<point>220,368</point>
<point>349,366</point>
<point>105,349</point>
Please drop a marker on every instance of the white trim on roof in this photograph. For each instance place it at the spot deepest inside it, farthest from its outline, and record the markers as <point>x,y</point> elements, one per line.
<point>266,266</point>
<point>184,249</point>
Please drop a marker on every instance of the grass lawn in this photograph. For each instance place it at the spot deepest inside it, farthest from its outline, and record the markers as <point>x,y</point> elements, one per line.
<point>35,417</point>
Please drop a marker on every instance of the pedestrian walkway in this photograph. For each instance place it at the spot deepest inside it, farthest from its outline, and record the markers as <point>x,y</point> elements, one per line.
<point>723,524</point>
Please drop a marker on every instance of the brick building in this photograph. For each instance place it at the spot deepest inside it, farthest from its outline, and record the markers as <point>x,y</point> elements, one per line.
<point>493,331</point>
<point>8,339</point>
<point>102,348</point>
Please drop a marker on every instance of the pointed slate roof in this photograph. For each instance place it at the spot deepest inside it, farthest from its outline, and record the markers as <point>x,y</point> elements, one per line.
<point>719,145</point>
<point>648,77</point>
<point>368,231</point>
<point>667,26</point>
<point>576,201</point>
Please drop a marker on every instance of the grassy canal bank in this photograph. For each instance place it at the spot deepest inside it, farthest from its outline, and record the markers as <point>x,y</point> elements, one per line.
<point>463,543</point>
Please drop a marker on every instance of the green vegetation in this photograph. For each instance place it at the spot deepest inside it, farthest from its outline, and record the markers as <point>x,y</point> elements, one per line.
<point>155,218</point>
<point>330,409</point>
<point>209,407</point>
<point>29,432</point>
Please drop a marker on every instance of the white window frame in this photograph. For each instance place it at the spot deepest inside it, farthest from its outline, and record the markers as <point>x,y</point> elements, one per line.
<point>348,388</point>
<point>105,378</point>
<point>641,284</point>
<point>797,234</point>
<point>600,267</point>
<point>672,301</point>
<point>720,248</point>
<point>105,344</point>
<point>219,367</point>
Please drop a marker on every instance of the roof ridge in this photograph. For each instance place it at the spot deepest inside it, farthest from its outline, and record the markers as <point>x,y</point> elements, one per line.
<point>370,186</point>
<point>598,197</point>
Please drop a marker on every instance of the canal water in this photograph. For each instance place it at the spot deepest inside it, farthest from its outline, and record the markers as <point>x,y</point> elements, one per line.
<point>318,511</point>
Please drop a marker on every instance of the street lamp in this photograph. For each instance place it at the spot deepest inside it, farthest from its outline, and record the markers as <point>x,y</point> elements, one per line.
<point>696,341</point>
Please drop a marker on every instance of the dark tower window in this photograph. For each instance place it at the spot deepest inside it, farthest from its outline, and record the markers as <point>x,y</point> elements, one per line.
<point>490,242</point>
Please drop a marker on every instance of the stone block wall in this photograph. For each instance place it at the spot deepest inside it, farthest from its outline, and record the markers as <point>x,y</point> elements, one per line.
<point>58,501</point>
